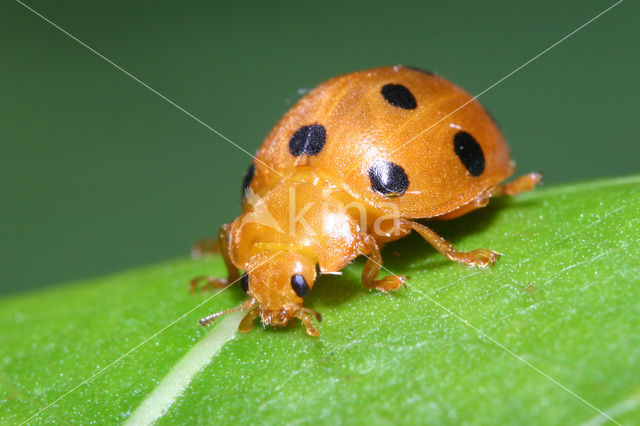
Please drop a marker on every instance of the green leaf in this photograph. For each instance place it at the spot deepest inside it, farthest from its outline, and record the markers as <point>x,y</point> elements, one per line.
<point>552,328</point>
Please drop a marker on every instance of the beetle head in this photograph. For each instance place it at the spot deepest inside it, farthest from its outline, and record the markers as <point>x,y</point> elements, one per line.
<point>277,283</point>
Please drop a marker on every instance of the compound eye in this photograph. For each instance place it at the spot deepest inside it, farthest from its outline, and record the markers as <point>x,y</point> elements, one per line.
<point>299,285</point>
<point>244,283</point>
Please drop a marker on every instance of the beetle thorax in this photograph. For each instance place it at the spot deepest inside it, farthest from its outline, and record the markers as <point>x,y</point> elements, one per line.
<point>304,214</point>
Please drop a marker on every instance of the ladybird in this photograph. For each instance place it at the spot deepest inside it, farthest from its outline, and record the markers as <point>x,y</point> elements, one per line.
<point>349,168</point>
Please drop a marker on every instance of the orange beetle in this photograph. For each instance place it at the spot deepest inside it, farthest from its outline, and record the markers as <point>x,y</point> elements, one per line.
<point>345,171</point>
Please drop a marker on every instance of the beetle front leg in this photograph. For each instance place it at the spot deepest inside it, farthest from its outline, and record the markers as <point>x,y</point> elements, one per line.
<point>232,272</point>
<point>372,269</point>
<point>480,258</point>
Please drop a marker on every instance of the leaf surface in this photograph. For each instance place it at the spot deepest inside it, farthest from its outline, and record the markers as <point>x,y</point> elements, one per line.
<point>552,328</point>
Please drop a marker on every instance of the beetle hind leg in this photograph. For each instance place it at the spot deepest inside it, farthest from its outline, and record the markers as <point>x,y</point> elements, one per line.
<point>521,184</point>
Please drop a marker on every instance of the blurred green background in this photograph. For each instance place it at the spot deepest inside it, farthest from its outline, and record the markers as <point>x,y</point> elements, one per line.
<point>99,174</point>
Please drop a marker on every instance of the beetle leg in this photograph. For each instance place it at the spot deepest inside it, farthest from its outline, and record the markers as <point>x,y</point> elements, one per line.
<point>232,271</point>
<point>305,315</point>
<point>247,322</point>
<point>480,201</point>
<point>204,247</point>
<point>523,183</point>
<point>211,283</point>
<point>480,258</point>
<point>372,268</point>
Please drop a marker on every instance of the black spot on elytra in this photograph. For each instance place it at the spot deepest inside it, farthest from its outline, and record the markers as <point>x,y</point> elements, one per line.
<point>469,152</point>
<point>388,179</point>
<point>247,179</point>
<point>244,282</point>
<point>398,95</point>
<point>308,140</point>
<point>299,285</point>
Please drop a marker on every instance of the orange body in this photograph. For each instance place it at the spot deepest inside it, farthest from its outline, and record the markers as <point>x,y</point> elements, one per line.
<point>345,171</point>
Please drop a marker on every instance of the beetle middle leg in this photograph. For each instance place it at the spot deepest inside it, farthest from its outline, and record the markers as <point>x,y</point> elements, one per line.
<point>232,272</point>
<point>480,258</point>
